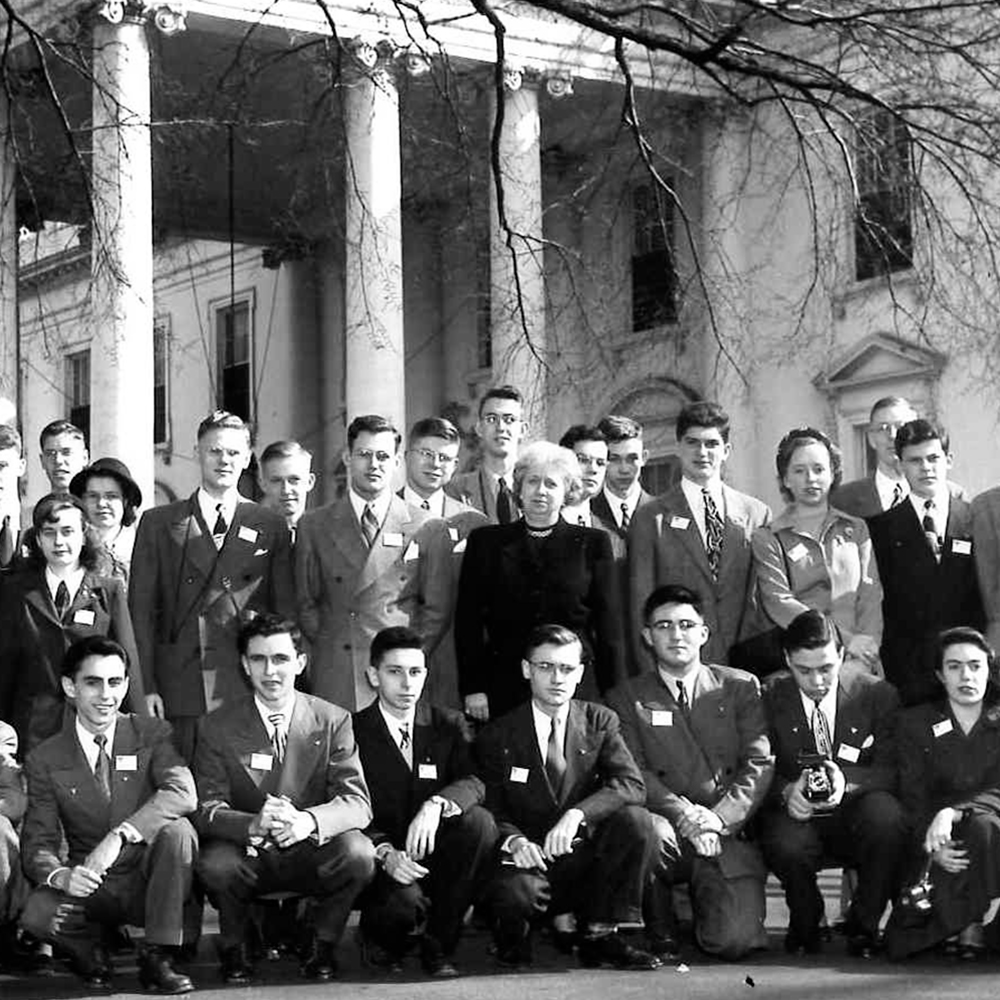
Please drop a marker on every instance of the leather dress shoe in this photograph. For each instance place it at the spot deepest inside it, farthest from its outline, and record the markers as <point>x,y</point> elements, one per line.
<point>157,972</point>
<point>93,966</point>
<point>862,944</point>
<point>321,964</point>
<point>234,966</point>
<point>803,944</point>
<point>664,947</point>
<point>436,963</point>
<point>513,944</point>
<point>614,950</point>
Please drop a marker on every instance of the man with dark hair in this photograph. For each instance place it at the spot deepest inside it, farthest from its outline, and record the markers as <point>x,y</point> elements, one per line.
<point>831,727</point>
<point>286,477</point>
<point>698,733</point>
<point>63,453</point>
<point>432,838</point>
<point>365,562</point>
<point>591,449</point>
<point>926,562</point>
<point>698,535</point>
<point>12,467</point>
<point>567,797</point>
<point>501,428</point>
<point>200,566</point>
<point>283,801</point>
<point>113,788</point>
<point>986,552</point>
<point>622,494</point>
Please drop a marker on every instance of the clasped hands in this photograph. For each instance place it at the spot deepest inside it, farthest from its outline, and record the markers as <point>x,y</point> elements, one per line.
<point>281,824</point>
<point>558,841</point>
<point>84,879</point>
<point>702,827</point>
<point>404,866</point>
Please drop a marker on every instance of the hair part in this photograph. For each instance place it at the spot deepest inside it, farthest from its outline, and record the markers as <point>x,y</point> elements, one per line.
<point>91,645</point>
<point>438,427</point>
<point>581,432</point>
<point>268,624</point>
<point>672,593</point>
<point>811,630</point>
<point>394,637</point>
<point>501,392</point>
<point>47,511</point>
<point>800,437</point>
<point>920,431</point>
<point>551,634</point>
<point>371,423</point>
<point>223,420</point>
<point>703,414</point>
<point>283,449</point>
<point>617,428</point>
<point>58,427</point>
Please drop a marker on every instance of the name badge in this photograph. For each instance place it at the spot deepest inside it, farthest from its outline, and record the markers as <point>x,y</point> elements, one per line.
<point>412,552</point>
<point>846,752</point>
<point>126,762</point>
<point>661,717</point>
<point>519,774</point>
<point>392,539</point>
<point>261,761</point>
<point>246,534</point>
<point>85,616</point>
<point>961,546</point>
<point>460,548</point>
<point>428,771</point>
<point>680,523</point>
<point>453,534</point>
<point>942,728</point>
<point>798,552</point>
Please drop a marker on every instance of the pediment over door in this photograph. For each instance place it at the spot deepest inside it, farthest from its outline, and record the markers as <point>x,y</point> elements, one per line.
<point>879,360</point>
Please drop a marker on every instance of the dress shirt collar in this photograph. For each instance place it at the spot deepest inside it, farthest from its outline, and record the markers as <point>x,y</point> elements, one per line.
<point>828,706</point>
<point>885,486</point>
<point>210,507</point>
<point>693,495</point>
<point>939,511</point>
<point>380,505</point>
<point>395,725</point>
<point>435,502</point>
<point>689,680</point>
<point>631,501</point>
<point>86,740</point>
<point>543,726</point>
<point>265,712</point>
<point>73,581</point>
<point>579,514</point>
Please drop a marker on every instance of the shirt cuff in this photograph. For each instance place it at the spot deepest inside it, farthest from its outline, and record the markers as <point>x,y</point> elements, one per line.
<point>130,833</point>
<point>505,846</point>
<point>448,807</point>
<point>52,874</point>
<point>382,850</point>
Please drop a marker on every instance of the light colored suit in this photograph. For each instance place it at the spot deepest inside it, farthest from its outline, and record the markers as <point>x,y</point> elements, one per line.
<point>347,592</point>
<point>472,489</point>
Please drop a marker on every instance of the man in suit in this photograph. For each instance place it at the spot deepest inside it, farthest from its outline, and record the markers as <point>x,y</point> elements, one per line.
<point>622,494</point>
<point>699,734</point>
<point>433,840</point>
<point>63,453</point>
<point>501,428</point>
<point>986,551</point>
<point>115,789</point>
<point>926,562</point>
<point>286,477</point>
<point>843,811</point>
<point>431,458</point>
<point>12,467</point>
<point>283,802</point>
<point>199,567</point>
<point>591,449</point>
<point>12,806</point>
<point>698,535</point>
<point>367,561</point>
<point>567,797</point>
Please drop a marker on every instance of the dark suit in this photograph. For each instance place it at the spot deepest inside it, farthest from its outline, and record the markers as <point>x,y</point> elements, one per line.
<point>866,830</point>
<point>986,551</point>
<point>188,600</point>
<point>860,497</point>
<point>511,583</point>
<point>442,765</point>
<point>922,596</point>
<point>12,805</point>
<point>603,879</point>
<point>151,790</point>
<point>34,640</point>
<point>320,774</point>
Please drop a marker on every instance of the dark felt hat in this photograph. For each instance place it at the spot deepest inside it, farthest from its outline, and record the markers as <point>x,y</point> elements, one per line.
<point>108,467</point>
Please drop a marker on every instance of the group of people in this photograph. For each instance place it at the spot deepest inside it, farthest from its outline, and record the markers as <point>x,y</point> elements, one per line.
<point>531,688</point>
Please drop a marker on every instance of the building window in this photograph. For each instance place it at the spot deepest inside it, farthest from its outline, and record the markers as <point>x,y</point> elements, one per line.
<point>78,390</point>
<point>161,382</point>
<point>234,350</point>
<point>883,225</point>
<point>654,280</point>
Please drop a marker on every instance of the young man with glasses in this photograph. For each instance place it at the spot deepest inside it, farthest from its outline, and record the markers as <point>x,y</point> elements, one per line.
<point>698,732</point>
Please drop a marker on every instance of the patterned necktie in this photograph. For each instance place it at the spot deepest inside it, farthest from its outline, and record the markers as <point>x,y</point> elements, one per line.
<point>821,732</point>
<point>406,744</point>
<point>62,599</point>
<point>505,502</point>
<point>897,495</point>
<point>714,531</point>
<point>625,517</point>
<point>6,543</point>
<point>555,760</point>
<point>682,699</point>
<point>425,505</point>
<point>278,739</point>
<point>930,529</point>
<point>221,527</point>
<point>102,767</point>
<point>369,525</point>
<point>581,520</point>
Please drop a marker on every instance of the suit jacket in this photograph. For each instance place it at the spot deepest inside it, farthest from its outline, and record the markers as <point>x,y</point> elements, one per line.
<point>719,756</point>
<point>922,596</point>
<point>33,641</point>
<point>12,798</point>
<point>603,516</point>
<point>150,787</point>
<point>349,592</point>
<point>601,775</point>
<point>180,580</point>
<point>321,772</point>
<point>665,546</point>
<point>860,497</point>
<point>510,584</point>
<point>442,765</point>
<point>863,736</point>
<point>986,552</point>
<point>471,490</point>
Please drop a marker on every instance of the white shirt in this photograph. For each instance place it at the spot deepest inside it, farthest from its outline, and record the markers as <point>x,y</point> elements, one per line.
<point>266,712</point>
<point>435,502</point>
<point>210,510</point>
<point>939,512</point>
<point>828,706</point>
<point>379,506</point>
<point>72,581</point>
<point>543,727</point>
<point>631,502</point>
<point>696,501</point>
<point>89,747</point>
<point>395,726</point>
<point>886,488</point>
<point>580,514</point>
<point>689,681</point>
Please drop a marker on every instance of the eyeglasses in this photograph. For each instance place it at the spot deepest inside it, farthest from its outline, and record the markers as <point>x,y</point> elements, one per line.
<point>888,427</point>
<point>507,419</point>
<point>435,457</point>
<point>563,669</point>
<point>367,455</point>
<point>666,625</point>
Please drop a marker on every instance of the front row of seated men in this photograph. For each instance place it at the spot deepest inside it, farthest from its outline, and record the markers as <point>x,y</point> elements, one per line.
<point>567,811</point>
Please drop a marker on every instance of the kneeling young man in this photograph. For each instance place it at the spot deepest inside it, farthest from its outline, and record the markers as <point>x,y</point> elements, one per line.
<point>116,787</point>
<point>432,838</point>
<point>568,801</point>
<point>283,802</point>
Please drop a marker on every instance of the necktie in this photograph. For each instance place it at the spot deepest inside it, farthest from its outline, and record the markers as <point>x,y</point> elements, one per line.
<point>821,732</point>
<point>505,502</point>
<point>406,744</point>
<point>555,760</point>
<point>581,520</point>
<point>102,767</point>
<point>278,740</point>
<point>625,517</point>
<point>713,533</point>
<point>897,495</point>
<point>682,699</point>
<point>220,522</point>
<point>369,525</point>
<point>930,530</point>
<point>62,599</point>
<point>426,505</point>
<point>6,543</point>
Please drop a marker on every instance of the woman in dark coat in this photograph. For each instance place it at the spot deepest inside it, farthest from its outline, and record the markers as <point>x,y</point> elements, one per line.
<point>949,784</point>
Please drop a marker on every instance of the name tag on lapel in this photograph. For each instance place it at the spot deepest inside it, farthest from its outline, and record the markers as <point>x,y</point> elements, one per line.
<point>942,728</point>
<point>798,552</point>
<point>126,762</point>
<point>427,772</point>
<point>85,616</point>
<point>661,717</point>
<point>261,761</point>
<point>961,546</point>
<point>412,552</point>
<point>246,534</point>
<point>453,534</point>
<point>519,774</point>
<point>392,539</point>
<point>846,752</point>
<point>679,523</point>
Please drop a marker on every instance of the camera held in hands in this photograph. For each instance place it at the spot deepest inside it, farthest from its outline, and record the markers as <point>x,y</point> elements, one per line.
<point>817,788</point>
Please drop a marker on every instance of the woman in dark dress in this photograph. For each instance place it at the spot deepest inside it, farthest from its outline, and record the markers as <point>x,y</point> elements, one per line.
<point>949,784</point>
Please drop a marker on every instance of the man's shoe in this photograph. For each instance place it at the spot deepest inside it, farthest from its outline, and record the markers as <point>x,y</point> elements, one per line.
<point>375,956</point>
<point>614,950</point>
<point>862,944</point>
<point>93,967</point>
<point>513,944</point>
<point>664,947</point>
<point>321,964</point>
<point>157,972</point>
<point>234,966</point>
<point>436,964</point>
<point>803,944</point>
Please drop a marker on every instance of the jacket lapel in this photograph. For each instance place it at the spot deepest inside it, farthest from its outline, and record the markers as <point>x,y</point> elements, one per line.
<point>249,739</point>
<point>303,748</point>
<point>194,539</point>
<point>576,746</point>
<point>395,529</point>
<point>40,599</point>
<point>734,529</point>
<point>675,505</point>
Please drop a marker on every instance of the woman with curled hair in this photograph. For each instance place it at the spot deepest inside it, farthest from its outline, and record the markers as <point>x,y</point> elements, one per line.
<point>535,570</point>
<point>814,557</point>
<point>948,764</point>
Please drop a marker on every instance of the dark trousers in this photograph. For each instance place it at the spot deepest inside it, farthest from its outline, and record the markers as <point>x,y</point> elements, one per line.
<point>392,913</point>
<point>602,881</point>
<point>149,885</point>
<point>334,874</point>
<point>866,832</point>
<point>13,885</point>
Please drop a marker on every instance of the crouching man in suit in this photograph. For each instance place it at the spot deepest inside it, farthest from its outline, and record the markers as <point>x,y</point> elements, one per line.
<point>119,791</point>
<point>433,839</point>
<point>567,797</point>
<point>12,805</point>
<point>283,802</point>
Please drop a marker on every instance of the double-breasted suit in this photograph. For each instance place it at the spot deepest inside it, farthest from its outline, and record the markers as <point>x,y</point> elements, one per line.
<point>986,553</point>
<point>349,592</point>
<point>665,547</point>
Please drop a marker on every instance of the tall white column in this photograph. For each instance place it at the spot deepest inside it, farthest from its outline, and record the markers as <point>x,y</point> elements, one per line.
<point>517,283</point>
<point>8,254</point>
<point>373,263</point>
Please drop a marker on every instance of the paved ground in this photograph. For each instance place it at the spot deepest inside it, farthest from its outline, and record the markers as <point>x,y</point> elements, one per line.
<point>773,975</point>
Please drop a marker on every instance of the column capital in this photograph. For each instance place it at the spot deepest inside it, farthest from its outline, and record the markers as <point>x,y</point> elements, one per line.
<point>558,84</point>
<point>372,55</point>
<point>169,16</point>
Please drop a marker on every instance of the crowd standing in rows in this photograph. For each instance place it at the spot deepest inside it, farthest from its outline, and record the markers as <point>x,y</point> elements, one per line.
<point>532,689</point>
